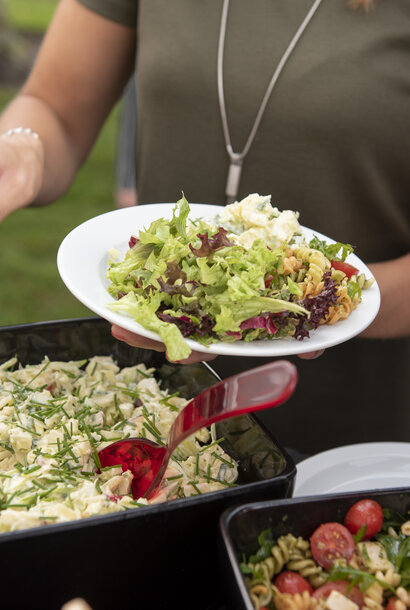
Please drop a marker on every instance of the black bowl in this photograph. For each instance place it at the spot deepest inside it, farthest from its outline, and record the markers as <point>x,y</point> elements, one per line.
<point>241,526</point>
<point>161,556</point>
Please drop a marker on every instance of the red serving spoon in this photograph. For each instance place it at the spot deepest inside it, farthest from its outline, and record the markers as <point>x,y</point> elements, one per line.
<point>260,388</point>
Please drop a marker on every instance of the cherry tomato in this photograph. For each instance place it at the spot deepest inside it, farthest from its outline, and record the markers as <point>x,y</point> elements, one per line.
<point>292,582</point>
<point>331,541</point>
<point>391,604</point>
<point>348,269</point>
<point>342,586</point>
<point>367,513</point>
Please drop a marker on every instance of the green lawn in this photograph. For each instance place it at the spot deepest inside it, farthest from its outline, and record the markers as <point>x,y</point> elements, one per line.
<point>30,286</point>
<point>29,15</point>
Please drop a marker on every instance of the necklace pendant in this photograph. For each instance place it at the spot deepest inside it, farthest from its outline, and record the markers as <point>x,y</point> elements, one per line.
<point>233,179</point>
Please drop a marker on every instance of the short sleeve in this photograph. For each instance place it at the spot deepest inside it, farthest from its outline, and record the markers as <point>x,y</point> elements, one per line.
<point>120,11</point>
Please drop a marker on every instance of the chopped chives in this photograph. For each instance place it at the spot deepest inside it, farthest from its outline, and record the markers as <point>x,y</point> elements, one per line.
<point>222,459</point>
<point>194,485</point>
<point>61,471</point>
<point>48,492</point>
<point>207,447</point>
<point>94,369</point>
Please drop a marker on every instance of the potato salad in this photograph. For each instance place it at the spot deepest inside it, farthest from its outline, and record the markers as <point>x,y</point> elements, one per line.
<point>54,419</point>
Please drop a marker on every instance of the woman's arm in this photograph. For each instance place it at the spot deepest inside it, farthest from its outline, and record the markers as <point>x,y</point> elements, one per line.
<point>82,67</point>
<point>393,319</point>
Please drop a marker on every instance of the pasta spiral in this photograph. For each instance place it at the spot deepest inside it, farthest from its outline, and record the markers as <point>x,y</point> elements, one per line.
<point>404,597</point>
<point>291,265</point>
<point>316,261</point>
<point>342,309</point>
<point>373,597</point>
<point>301,561</point>
<point>300,601</point>
<point>390,577</point>
<point>280,556</point>
<point>261,594</point>
<point>312,289</point>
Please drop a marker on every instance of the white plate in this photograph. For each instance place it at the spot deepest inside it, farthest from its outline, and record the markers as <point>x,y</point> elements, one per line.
<point>354,468</point>
<point>82,264</point>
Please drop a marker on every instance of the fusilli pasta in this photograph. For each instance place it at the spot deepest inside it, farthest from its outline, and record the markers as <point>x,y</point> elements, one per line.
<point>368,574</point>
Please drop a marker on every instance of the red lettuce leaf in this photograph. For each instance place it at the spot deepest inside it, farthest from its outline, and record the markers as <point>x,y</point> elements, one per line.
<point>209,245</point>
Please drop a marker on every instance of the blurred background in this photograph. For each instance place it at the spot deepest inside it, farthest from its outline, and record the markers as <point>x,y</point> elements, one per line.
<point>30,287</point>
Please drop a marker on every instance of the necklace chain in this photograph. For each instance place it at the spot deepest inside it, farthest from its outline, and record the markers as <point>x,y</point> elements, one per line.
<point>237,158</point>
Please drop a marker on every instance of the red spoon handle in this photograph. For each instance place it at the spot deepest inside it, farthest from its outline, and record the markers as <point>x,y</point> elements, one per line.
<point>261,388</point>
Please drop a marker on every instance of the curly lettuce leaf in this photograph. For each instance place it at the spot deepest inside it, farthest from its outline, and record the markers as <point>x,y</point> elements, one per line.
<point>144,312</point>
<point>331,251</point>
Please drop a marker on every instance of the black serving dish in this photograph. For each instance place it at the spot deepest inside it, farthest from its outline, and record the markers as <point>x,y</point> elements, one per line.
<point>161,556</point>
<point>241,526</point>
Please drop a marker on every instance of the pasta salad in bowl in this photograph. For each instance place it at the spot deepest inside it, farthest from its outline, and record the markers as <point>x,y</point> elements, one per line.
<point>346,551</point>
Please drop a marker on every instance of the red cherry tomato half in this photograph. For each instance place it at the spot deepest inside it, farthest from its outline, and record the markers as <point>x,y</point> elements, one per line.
<point>367,513</point>
<point>391,604</point>
<point>342,586</point>
<point>292,582</point>
<point>331,541</point>
<point>349,270</point>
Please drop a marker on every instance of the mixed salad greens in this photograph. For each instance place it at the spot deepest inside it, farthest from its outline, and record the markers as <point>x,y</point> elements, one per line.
<point>224,279</point>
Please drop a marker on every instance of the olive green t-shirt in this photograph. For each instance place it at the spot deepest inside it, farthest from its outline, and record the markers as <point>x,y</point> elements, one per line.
<point>333,144</point>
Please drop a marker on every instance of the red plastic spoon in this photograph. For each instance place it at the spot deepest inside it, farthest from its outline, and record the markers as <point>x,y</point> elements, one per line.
<point>260,388</point>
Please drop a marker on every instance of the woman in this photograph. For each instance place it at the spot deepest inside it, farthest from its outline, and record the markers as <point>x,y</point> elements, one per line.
<point>329,142</point>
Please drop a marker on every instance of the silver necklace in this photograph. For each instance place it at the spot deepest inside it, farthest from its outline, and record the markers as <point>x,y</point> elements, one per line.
<point>236,159</point>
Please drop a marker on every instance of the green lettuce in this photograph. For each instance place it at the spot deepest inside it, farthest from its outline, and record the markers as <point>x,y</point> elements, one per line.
<point>177,271</point>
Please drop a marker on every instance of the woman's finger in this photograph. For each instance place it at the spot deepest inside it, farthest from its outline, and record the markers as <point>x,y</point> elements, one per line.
<point>197,357</point>
<point>136,340</point>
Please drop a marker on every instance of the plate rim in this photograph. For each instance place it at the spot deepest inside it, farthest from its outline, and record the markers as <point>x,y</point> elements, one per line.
<point>273,348</point>
<point>334,456</point>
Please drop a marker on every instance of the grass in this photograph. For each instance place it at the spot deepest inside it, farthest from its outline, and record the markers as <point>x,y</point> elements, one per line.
<point>29,15</point>
<point>30,287</point>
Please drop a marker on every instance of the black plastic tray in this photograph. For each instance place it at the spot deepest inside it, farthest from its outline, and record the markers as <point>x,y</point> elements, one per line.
<point>240,528</point>
<point>162,556</point>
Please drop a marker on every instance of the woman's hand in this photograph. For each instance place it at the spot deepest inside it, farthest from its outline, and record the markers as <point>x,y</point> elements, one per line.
<point>80,71</point>
<point>137,341</point>
<point>21,170</point>
<point>311,355</point>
